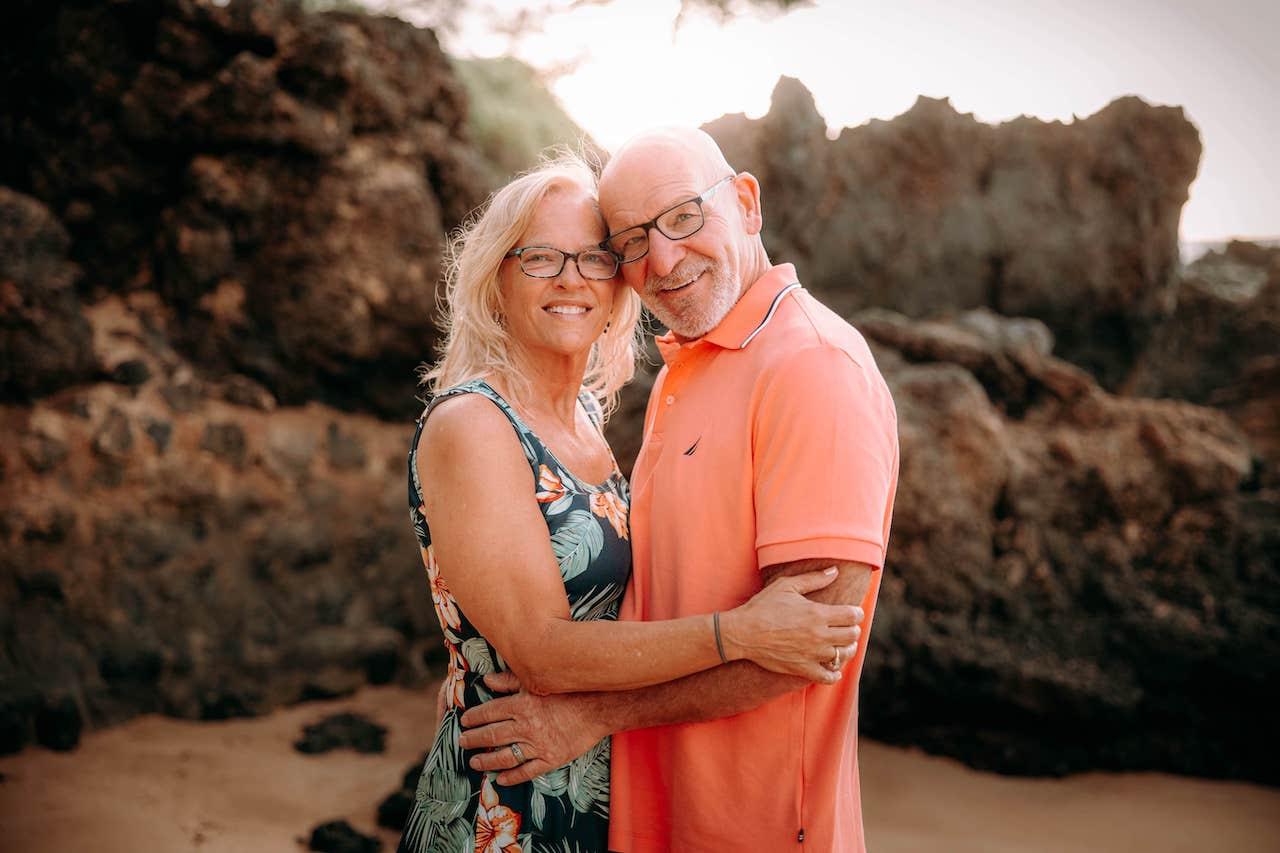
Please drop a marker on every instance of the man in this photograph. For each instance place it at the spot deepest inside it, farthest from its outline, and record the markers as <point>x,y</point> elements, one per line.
<point>770,448</point>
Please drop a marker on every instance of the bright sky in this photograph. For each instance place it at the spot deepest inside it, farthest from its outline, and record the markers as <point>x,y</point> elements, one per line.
<point>996,58</point>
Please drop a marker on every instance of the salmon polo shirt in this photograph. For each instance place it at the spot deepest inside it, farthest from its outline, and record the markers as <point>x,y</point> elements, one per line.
<point>772,438</point>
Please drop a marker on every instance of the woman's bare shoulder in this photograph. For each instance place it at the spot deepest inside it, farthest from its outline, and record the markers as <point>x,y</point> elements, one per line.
<point>470,429</point>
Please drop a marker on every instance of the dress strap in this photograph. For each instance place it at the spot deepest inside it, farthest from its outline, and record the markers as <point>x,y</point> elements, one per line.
<point>478,386</point>
<point>592,407</point>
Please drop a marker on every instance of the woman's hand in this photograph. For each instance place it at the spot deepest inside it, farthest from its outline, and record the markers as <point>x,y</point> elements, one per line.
<point>781,630</point>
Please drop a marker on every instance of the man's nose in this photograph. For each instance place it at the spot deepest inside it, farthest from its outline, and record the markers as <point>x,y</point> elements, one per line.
<point>664,253</point>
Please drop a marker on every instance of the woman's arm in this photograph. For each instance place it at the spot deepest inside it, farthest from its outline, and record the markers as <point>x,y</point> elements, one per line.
<point>493,552</point>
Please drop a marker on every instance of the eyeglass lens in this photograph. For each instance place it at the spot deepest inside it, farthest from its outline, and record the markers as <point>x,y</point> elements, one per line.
<point>548,263</point>
<point>683,220</point>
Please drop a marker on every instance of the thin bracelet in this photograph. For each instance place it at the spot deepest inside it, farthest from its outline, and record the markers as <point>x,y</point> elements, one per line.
<point>715,620</point>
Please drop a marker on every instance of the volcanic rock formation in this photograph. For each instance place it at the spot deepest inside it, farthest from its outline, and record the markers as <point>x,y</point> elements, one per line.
<point>935,212</point>
<point>281,180</point>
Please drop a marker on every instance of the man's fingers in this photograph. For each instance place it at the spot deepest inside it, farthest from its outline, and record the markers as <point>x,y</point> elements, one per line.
<point>488,712</point>
<point>502,682</point>
<point>501,758</point>
<point>486,737</point>
<point>808,582</point>
<point>531,768</point>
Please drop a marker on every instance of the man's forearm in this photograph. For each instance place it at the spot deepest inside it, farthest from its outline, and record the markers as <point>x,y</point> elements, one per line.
<point>720,692</point>
<point>732,688</point>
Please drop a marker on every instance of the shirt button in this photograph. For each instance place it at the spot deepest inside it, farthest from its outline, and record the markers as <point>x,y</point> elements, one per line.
<point>670,399</point>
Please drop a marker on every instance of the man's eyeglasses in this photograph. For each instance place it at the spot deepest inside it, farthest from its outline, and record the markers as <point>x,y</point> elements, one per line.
<point>675,223</point>
<point>546,262</point>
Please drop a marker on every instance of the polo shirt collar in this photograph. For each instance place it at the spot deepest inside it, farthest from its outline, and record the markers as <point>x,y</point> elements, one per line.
<point>750,315</point>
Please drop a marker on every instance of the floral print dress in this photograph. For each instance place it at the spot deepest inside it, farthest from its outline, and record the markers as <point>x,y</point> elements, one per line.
<point>458,809</point>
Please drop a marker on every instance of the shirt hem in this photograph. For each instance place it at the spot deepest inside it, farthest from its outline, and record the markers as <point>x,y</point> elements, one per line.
<point>833,548</point>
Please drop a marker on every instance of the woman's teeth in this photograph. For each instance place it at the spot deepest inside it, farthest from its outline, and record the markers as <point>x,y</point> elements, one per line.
<point>567,309</point>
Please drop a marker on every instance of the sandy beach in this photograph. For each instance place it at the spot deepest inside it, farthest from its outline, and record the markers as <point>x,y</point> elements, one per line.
<point>159,784</point>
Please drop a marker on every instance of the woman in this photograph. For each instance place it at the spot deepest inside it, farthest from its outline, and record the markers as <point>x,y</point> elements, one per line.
<point>521,513</point>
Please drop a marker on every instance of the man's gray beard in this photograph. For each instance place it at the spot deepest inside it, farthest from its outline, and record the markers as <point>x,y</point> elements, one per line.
<point>694,324</point>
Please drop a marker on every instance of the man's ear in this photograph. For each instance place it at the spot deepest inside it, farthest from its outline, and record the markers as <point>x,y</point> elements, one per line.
<point>748,190</point>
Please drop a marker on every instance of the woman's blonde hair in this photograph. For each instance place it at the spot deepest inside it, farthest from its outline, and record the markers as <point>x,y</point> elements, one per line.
<point>476,341</point>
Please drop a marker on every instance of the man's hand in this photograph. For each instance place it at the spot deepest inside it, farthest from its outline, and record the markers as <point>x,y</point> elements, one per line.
<point>550,730</point>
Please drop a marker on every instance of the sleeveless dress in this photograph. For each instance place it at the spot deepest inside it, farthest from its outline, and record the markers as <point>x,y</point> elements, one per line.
<point>458,809</point>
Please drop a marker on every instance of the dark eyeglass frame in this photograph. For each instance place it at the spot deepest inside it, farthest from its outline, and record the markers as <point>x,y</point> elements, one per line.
<point>699,200</point>
<point>564,258</point>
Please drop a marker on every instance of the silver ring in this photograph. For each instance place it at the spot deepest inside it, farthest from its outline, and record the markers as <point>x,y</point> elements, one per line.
<point>517,752</point>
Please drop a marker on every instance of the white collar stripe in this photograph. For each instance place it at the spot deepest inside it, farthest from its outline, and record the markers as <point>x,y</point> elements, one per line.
<point>777,300</point>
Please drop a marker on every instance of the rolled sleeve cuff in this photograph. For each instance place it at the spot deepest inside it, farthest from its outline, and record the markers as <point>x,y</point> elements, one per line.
<point>829,548</point>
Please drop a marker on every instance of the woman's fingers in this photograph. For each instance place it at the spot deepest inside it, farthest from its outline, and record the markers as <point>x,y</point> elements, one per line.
<point>819,674</point>
<point>842,636</point>
<point>813,581</point>
<point>839,614</point>
<point>502,682</point>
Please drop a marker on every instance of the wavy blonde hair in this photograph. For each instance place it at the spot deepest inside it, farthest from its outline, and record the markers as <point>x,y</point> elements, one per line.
<point>476,341</point>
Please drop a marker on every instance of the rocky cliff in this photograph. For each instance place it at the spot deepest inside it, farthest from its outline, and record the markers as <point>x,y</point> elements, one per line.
<point>935,212</point>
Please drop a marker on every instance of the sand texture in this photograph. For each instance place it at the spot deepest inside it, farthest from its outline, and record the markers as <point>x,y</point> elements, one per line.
<point>159,784</point>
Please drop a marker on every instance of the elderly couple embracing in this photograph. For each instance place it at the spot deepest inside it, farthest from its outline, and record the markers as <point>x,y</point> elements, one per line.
<point>670,663</point>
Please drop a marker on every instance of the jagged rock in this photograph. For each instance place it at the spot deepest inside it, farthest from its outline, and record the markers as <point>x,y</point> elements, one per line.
<point>1221,346</point>
<point>934,212</point>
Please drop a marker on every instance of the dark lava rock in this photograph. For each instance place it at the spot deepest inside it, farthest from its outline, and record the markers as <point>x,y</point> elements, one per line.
<point>339,731</point>
<point>45,339</point>
<point>338,836</point>
<point>132,373</point>
<point>159,432</point>
<point>43,452</point>
<point>283,179</point>
<point>58,725</point>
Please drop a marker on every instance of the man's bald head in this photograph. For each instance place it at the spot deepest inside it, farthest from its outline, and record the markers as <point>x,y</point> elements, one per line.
<point>690,147</point>
<point>675,180</point>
